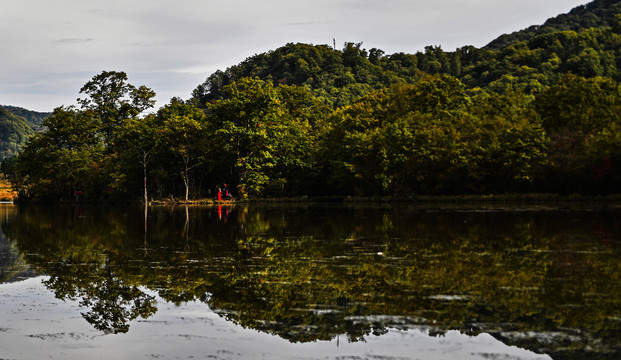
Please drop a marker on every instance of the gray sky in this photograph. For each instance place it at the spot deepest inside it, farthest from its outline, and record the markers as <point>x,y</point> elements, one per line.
<point>50,48</point>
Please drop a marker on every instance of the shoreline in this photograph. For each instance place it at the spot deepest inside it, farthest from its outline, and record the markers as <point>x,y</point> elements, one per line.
<point>524,199</point>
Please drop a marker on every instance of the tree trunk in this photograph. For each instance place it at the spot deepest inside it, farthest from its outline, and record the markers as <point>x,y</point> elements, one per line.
<point>186,178</point>
<point>144,169</point>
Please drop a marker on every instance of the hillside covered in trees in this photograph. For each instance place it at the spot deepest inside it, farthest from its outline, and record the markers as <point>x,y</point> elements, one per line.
<point>585,42</point>
<point>534,111</point>
<point>16,125</point>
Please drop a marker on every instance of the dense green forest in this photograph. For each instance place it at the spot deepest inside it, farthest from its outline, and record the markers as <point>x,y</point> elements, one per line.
<point>32,118</point>
<point>534,111</point>
<point>16,125</point>
<point>585,42</point>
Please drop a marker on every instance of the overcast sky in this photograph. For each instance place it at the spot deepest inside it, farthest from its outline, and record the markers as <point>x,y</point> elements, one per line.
<point>50,48</point>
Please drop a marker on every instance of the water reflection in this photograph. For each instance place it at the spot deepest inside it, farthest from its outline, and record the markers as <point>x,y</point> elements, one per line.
<point>548,281</point>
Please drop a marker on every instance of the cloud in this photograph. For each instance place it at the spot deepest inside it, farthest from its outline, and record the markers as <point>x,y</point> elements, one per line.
<point>75,41</point>
<point>309,23</point>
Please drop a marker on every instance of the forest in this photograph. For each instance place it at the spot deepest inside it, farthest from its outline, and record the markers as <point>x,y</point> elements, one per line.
<point>16,125</point>
<point>536,111</point>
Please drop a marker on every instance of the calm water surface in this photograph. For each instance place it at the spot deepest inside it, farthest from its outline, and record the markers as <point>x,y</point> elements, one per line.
<point>310,282</point>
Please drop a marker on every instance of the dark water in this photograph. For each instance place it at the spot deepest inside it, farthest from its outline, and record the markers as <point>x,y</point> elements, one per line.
<point>313,281</point>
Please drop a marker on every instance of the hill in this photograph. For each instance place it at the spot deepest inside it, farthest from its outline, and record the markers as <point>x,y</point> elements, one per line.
<point>599,13</point>
<point>14,130</point>
<point>33,118</point>
<point>16,125</point>
<point>337,77</point>
<point>584,42</point>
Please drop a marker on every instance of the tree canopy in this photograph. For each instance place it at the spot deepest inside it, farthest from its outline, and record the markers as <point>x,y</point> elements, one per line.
<point>536,111</point>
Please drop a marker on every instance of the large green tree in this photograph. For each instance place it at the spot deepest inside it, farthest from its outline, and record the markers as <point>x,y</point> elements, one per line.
<point>259,131</point>
<point>137,140</point>
<point>76,153</point>
<point>63,159</point>
<point>582,117</point>
<point>113,99</point>
<point>185,135</point>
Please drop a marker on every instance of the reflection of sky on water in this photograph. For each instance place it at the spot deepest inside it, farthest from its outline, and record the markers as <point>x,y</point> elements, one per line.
<point>36,325</point>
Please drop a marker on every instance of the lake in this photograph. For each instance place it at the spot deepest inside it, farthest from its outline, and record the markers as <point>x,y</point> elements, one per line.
<point>311,281</point>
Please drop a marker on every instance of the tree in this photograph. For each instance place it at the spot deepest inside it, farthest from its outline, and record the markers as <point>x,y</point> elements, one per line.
<point>64,158</point>
<point>397,138</point>
<point>184,130</point>
<point>113,99</point>
<point>137,139</point>
<point>578,113</point>
<point>76,153</point>
<point>375,55</point>
<point>353,54</point>
<point>264,135</point>
<point>242,122</point>
<point>294,141</point>
<point>579,104</point>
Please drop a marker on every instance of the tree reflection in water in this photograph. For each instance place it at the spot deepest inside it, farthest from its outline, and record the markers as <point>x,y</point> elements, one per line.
<point>548,281</point>
<point>112,304</point>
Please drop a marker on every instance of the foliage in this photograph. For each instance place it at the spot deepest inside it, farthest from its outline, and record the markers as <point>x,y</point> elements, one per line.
<point>263,135</point>
<point>597,13</point>
<point>432,137</point>
<point>64,159</point>
<point>137,140</point>
<point>537,111</point>
<point>582,117</point>
<point>435,136</point>
<point>75,156</point>
<point>14,131</point>
<point>183,130</point>
<point>335,77</point>
<point>33,118</point>
<point>584,42</point>
<point>112,99</point>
